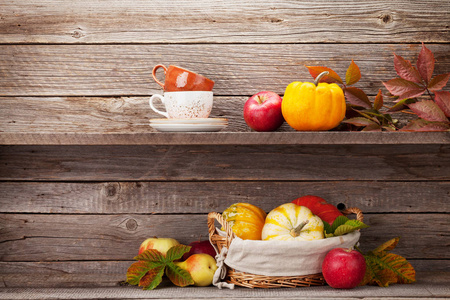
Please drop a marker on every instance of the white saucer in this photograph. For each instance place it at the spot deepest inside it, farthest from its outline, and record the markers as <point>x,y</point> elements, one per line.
<point>196,121</point>
<point>188,127</point>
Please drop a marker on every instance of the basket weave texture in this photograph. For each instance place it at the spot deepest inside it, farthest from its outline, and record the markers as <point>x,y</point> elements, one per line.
<point>261,281</point>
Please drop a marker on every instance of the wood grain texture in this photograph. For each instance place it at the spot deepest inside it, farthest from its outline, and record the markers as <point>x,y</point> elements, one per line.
<point>238,70</point>
<point>243,21</point>
<point>36,237</point>
<point>112,273</point>
<point>203,197</point>
<point>186,163</point>
<point>106,115</point>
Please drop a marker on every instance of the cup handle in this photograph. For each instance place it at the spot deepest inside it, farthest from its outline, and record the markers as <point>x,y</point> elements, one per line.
<point>154,74</point>
<point>156,96</point>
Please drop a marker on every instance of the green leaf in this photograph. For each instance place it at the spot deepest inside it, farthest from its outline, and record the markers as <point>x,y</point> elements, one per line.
<point>402,104</point>
<point>176,252</point>
<point>152,278</point>
<point>326,227</point>
<point>353,74</point>
<point>340,220</point>
<point>178,276</point>
<point>349,226</point>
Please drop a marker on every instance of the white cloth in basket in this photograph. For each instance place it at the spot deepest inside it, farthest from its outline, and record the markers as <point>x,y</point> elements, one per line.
<point>284,258</point>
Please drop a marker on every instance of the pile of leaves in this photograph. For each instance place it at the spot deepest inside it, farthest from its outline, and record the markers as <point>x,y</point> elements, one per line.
<point>432,113</point>
<point>384,268</point>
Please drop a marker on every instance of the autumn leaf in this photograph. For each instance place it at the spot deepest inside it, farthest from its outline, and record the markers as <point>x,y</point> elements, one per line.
<point>405,70</point>
<point>378,103</point>
<point>152,278</point>
<point>332,77</point>
<point>384,268</point>
<point>387,246</point>
<point>357,97</point>
<point>404,88</point>
<point>151,264</point>
<point>423,125</point>
<point>178,276</point>
<point>401,105</point>
<point>438,82</point>
<point>425,63</point>
<point>359,121</point>
<point>428,110</point>
<point>442,99</point>
<point>353,74</point>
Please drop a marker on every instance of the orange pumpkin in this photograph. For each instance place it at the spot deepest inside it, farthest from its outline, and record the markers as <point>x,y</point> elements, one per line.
<point>246,220</point>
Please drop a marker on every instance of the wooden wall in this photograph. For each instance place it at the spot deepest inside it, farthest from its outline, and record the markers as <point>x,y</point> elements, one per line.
<point>75,214</point>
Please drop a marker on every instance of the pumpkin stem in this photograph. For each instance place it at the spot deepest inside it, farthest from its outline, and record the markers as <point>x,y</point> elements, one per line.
<point>296,231</point>
<point>317,80</point>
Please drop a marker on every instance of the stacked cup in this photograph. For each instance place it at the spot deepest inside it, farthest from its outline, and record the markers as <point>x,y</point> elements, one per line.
<point>188,101</point>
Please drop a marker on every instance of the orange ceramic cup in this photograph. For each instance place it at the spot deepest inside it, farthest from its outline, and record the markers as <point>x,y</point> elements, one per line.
<point>181,80</point>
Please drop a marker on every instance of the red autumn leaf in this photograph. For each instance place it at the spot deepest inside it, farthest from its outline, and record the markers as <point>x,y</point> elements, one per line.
<point>357,97</point>
<point>422,125</point>
<point>428,110</point>
<point>425,63</point>
<point>373,127</point>
<point>438,82</point>
<point>405,70</point>
<point>404,88</point>
<point>353,74</point>
<point>332,77</point>
<point>378,103</point>
<point>442,99</point>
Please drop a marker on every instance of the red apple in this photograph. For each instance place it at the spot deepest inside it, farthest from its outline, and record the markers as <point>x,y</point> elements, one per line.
<point>262,111</point>
<point>200,247</point>
<point>343,268</point>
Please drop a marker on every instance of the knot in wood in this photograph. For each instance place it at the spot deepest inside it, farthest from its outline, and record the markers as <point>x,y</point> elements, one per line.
<point>77,33</point>
<point>131,224</point>
<point>386,18</point>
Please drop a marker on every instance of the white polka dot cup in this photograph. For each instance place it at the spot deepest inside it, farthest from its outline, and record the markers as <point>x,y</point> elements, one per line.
<point>184,105</point>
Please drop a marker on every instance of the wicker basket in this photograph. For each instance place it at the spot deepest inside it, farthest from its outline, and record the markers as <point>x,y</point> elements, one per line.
<point>261,281</point>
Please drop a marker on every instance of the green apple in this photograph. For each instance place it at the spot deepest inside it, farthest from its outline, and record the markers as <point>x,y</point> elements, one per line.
<point>160,244</point>
<point>201,266</point>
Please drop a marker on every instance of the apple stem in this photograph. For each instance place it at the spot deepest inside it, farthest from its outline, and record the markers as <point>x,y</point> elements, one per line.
<point>296,231</point>
<point>324,73</point>
<point>258,99</point>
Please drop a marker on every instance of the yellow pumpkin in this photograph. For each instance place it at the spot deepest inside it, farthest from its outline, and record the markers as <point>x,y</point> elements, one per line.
<point>290,222</point>
<point>246,220</point>
<point>314,106</point>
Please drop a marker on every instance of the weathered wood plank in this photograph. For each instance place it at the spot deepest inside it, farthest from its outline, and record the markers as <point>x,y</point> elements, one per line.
<point>242,21</point>
<point>112,273</point>
<point>99,70</point>
<point>119,115</point>
<point>203,197</point>
<point>37,237</point>
<point>272,162</point>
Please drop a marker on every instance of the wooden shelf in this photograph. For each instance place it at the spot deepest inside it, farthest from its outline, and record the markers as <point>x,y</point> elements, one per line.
<point>227,138</point>
<point>428,285</point>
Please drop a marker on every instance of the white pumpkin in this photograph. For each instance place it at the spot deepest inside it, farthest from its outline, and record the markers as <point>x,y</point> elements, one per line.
<point>290,222</point>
